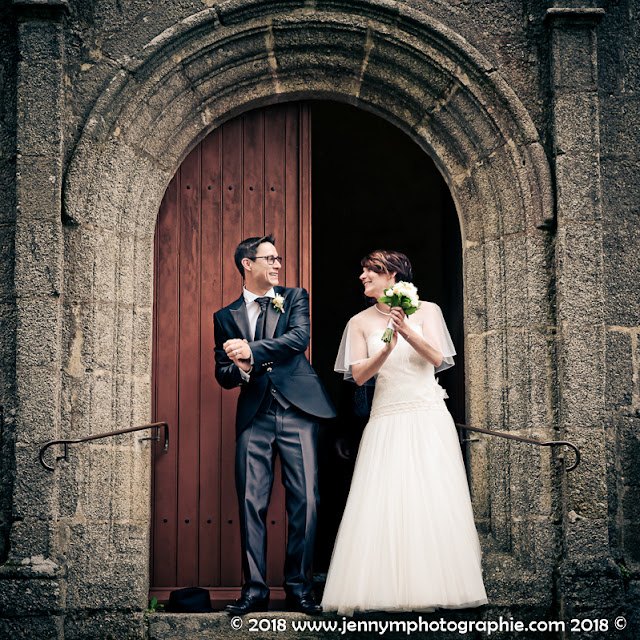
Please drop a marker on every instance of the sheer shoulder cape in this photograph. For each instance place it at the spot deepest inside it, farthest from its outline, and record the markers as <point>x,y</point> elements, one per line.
<point>353,346</point>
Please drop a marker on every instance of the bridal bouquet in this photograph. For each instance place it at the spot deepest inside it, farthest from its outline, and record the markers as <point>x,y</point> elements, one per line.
<point>402,294</point>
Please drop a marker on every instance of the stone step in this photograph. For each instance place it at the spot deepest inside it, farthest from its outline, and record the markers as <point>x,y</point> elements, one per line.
<point>439,625</point>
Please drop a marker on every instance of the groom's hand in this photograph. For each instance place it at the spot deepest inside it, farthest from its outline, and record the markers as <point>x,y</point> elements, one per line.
<point>239,353</point>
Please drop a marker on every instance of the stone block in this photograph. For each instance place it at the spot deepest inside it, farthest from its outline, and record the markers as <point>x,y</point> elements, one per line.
<point>38,188</point>
<point>495,285</point>
<point>476,375</point>
<point>496,360</point>
<point>33,537</point>
<point>7,232</point>
<point>619,368</point>
<point>123,406</point>
<point>528,379</point>
<point>630,505</point>
<point>39,259</point>
<point>141,486</point>
<point>628,451</point>
<point>586,541</point>
<point>79,258</point>
<point>7,187</point>
<point>43,627</point>
<point>41,40</point>
<point>574,60</point>
<point>424,66</point>
<point>475,289</point>
<point>38,332</point>
<point>142,342</point>
<point>104,624</point>
<point>579,267</point>
<point>590,587</point>
<point>619,124</point>
<point>70,478</point>
<point>123,491</point>
<point>499,485</point>
<point>7,335</point>
<point>106,264</point>
<point>39,130</point>
<point>98,482</point>
<point>576,123</point>
<point>447,159</point>
<point>578,187</point>
<point>621,268</point>
<point>510,183</point>
<point>102,402</point>
<point>99,577</point>
<point>100,338</point>
<point>631,537</point>
<point>620,176</point>
<point>124,340</point>
<point>587,485</point>
<point>526,281</point>
<point>141,405</point>
<point>37,394</point>
<point>34,489</point>
<point>126,270</point>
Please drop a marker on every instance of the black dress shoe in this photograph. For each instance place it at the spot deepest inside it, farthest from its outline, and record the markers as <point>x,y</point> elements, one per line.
<point>304,604</point>
<point>248,604</point>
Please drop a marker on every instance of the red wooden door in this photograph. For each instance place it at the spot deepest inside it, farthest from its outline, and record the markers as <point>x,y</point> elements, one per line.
<point>249,177</point>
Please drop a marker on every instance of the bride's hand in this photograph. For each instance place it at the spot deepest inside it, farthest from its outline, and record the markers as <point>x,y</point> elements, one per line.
<point>398,318</point>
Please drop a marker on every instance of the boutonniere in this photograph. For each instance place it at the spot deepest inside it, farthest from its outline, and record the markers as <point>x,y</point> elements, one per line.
<point>278,302</point>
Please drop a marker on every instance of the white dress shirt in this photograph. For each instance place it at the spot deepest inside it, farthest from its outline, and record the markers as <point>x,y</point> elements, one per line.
<point>253,311</point>
<point>253,308</point>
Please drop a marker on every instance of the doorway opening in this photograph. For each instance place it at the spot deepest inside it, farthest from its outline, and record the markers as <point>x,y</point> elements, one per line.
<point>333,183</point>
<point>372,188</point>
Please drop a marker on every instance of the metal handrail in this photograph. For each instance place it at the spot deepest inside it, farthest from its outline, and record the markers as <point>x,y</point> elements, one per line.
<point>551,443</point>
<point>66,443</point>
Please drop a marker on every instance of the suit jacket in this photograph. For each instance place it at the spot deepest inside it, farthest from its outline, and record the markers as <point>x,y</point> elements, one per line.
<point>279,358</point>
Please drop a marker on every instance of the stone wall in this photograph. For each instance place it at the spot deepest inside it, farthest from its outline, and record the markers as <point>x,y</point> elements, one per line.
<point>8,55</point>
<point>619,98</point>
<point>511,101</point>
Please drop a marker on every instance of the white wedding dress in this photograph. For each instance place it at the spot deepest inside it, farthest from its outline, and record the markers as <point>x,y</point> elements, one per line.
<point>407,540</point>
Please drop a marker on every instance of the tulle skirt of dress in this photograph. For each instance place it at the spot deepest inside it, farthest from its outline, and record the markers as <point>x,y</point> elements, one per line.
<point>407,540</point>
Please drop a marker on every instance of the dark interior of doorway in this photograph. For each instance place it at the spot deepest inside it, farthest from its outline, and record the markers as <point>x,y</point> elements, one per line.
<point>373,188</point>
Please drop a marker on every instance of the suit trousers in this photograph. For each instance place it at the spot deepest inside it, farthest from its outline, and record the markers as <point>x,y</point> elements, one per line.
<point>292,434</point>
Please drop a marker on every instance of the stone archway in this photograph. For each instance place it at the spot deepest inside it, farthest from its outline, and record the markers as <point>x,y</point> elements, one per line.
<point>403,66</point>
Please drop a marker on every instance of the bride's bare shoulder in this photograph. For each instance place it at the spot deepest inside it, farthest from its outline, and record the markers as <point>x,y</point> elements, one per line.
<point>362,317</point>
<point>426,307</point>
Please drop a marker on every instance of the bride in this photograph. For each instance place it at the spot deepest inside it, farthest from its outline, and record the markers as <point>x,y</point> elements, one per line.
<point>407,540</point>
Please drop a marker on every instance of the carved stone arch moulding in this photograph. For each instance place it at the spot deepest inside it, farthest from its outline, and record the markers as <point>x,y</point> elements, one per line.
<point>381,56</point>
<point>376,54</point>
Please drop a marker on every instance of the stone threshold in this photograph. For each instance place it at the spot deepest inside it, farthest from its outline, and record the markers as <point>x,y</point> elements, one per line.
<point>286,625</point>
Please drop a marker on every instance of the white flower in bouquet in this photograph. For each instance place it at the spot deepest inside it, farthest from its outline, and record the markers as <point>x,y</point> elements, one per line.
<point>402,294</point>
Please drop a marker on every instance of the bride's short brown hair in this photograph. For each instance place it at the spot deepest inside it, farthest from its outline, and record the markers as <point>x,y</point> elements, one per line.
<point>382,261</point>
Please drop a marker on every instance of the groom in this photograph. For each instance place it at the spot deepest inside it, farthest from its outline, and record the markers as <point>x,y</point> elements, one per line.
<point>261,340</point>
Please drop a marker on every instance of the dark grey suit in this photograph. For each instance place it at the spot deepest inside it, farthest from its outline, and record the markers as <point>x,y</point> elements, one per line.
<point>278,410</point>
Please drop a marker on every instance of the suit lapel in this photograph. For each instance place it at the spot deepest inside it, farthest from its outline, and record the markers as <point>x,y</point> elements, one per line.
<point>273,315</point>
<point>238,311</point>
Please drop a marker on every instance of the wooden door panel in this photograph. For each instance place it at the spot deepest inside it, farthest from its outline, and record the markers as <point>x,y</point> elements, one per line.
<point>210,397</point>
<point>242,180</point>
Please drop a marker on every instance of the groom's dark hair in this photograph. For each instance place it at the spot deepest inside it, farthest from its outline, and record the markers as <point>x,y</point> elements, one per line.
<point>382,261</point>
<point>248,248</point>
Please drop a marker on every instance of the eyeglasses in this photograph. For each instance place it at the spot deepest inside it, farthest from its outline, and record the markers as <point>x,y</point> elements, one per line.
<point>269,259</point>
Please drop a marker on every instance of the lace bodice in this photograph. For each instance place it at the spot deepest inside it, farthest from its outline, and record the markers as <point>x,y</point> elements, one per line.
<point>405,379</point>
